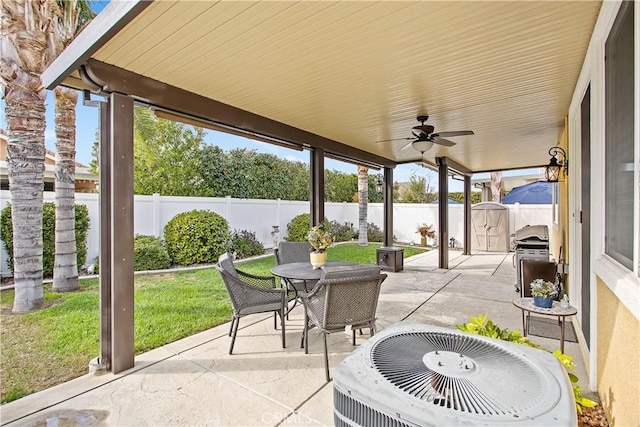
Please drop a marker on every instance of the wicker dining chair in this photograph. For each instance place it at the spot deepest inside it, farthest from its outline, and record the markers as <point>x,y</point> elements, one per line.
<point>251,294</point>
<point>288,252</point>
<point>342,298</point>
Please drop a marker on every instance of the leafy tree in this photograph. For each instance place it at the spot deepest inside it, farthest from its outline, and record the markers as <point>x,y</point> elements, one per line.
<point>213,170</point>
<point>295,180</point>
<point>343,187</point>
<point>172,159</point>
<point>340,187</point>
<point>166,157</point>
<point>418,190</point>
<point>374,197</point>
<point>245,173</point>
<point>265,176</point>
<point>458,196</point>
<point>94,166</point>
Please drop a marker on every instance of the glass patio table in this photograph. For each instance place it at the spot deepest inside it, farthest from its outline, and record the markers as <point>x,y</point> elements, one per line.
<point>527,305</point>
<point>302,272</point>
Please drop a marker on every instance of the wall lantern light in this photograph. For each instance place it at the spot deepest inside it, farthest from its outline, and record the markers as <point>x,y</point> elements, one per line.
<point>557,166</point>
<point>379,184</point>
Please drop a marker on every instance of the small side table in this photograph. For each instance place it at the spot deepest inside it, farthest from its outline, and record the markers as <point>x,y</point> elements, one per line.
<point>527,305</point>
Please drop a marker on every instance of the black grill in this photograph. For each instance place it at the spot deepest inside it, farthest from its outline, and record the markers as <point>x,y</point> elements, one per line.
<point>532,242</point>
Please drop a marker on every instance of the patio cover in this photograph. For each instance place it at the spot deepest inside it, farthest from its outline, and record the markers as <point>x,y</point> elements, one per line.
<point>332,77</point>
<point>343,75</point>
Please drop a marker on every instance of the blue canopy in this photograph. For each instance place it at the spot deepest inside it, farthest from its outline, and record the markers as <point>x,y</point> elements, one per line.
<point>535,193</point>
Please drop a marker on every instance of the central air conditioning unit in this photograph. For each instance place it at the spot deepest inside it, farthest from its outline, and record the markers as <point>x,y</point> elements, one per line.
<point>413,374</point>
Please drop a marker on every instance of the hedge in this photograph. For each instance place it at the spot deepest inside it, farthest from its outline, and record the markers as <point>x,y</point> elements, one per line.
<point>48,235</point>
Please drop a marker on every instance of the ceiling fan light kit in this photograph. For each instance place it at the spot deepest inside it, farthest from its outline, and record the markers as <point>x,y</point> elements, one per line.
<point>422,145</point>
<point>424,136</point>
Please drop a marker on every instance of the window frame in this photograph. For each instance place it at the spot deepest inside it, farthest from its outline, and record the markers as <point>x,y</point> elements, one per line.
<point>621,281</point>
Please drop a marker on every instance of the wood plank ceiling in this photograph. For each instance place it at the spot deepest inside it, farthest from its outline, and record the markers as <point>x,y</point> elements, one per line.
<point>360,72</point>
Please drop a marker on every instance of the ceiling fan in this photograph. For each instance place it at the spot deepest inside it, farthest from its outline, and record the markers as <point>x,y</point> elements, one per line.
<point>424,137</point>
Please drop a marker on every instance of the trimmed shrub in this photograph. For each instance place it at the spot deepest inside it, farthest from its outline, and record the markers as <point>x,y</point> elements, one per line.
<point>196,237</point>
<point>343,232</point>
<point>374,234</point>
<point>48,235</point>
<point>244,244</point>
<point>149,253</point>
<point>298,228</point>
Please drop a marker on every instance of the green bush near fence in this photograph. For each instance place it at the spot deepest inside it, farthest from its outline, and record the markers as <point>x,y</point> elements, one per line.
<point>374,233</point>
<point>197,237</point>
<point>343,232</point>
<point>150,253</point>
<point>48,235</point>
<point>245,244</point>
<point>298,228</point>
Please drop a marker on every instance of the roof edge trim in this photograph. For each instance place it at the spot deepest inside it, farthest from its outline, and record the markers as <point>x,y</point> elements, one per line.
<point>115,16</point>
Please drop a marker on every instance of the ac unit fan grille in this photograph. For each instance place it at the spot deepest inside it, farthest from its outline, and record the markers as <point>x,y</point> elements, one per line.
<point>460,372</point>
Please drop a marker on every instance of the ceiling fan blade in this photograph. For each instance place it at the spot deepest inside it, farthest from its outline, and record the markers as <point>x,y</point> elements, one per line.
<point>395,139</point>
<point>407,145</point>
<point>454,133</point>
<point>443,141</point>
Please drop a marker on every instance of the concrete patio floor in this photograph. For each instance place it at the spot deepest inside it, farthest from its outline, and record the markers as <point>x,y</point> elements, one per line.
<point>195,381</point>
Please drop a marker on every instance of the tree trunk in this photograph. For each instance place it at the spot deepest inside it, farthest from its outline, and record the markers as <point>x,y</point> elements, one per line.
<point>25,108</point>
<point>496,185</point>
<point>363,198</point>
<point>65,268</point>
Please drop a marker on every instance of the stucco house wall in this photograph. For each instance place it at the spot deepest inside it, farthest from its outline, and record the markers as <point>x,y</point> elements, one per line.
<point>613,353</point>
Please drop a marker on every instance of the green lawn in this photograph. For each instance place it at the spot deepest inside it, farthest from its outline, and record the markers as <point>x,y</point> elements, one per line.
<point>54,345</point>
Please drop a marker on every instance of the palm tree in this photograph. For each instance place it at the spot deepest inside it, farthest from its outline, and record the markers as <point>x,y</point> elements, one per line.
<point>30,38</point>
<point>75,15</point>
<point>363,198</point>
<point>29,42</point>
<point>496,186</point>
<point>65,267</point>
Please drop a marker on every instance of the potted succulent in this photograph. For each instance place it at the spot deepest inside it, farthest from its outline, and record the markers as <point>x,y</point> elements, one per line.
<point>320,240</point>
<point>543,292</point>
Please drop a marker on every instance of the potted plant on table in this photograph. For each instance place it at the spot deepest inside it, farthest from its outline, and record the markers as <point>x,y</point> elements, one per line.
<point>320,240</point>
<point>543,292</point>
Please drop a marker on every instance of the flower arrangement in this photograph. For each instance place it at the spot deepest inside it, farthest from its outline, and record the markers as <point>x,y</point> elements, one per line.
<point>426,231</point>
<point>543,288</point>
<point>319,239</point>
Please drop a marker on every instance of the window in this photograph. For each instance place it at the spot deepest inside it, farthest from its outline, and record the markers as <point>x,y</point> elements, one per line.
<point>619,143</point>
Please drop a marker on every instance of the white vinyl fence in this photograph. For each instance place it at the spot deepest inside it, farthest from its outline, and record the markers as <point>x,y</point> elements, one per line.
<point>151,214</point>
